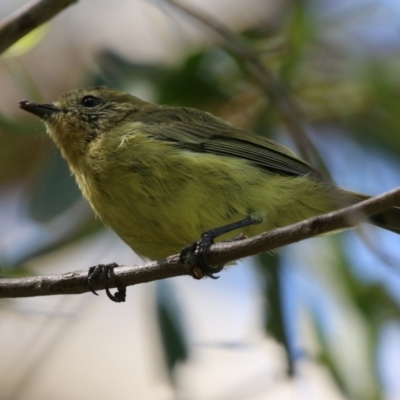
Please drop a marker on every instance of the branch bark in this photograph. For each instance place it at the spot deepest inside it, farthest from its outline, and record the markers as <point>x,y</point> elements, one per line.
<point>28,18</point>
<point>76,282</point>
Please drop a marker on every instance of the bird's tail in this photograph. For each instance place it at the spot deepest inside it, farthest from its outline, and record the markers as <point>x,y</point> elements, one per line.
<point>389,219</point>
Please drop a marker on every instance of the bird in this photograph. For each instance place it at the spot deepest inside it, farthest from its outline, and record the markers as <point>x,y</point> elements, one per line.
<point>165,177</point>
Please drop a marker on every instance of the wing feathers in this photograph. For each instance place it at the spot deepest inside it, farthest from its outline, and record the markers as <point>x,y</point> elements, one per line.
<point>195,130</point>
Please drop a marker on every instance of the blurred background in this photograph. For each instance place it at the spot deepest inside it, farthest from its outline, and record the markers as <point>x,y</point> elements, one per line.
<point>317,320</point>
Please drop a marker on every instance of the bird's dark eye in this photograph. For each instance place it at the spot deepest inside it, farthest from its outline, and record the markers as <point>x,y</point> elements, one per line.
<point>90,101</point>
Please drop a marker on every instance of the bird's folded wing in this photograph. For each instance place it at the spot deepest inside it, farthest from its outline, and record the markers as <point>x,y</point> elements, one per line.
<point>201,132</point>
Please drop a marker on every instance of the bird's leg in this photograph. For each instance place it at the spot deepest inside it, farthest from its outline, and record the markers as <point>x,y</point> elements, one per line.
<point>108,271</point>
<point>199,249</point>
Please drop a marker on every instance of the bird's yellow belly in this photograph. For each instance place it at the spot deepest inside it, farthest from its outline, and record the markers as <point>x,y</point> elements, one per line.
<point>170,201</point>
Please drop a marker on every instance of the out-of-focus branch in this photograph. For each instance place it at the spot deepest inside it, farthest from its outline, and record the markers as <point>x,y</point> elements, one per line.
<point>28,18</point>
<point>220,253</point>
<point>290,112</point>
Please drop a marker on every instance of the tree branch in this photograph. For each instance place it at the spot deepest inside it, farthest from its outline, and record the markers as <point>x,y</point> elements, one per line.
<point>220,253</point>
<point>28,18</point>
<point>290,112</point>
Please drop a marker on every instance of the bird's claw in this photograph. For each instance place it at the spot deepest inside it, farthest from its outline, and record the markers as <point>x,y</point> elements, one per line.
<point>197,254</point>
<point>108,271</point>
<point>119,296</point>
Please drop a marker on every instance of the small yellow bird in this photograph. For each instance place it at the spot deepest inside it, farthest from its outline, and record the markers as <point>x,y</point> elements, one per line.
<point>162,176</point>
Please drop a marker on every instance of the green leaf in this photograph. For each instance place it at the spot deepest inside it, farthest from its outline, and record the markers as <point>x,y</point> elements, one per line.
<point>169,321</point>
<point>274,311</point>
<point>54,190</point>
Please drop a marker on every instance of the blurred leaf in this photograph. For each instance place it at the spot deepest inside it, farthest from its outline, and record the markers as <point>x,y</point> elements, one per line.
<point>372,299</point>
<point>14,271</point>
<point>28,42</point>
<point>173,338</point>
<point>299,33</point>
<point>378,122</point>
<point>375,305</point>
<point>326,358</point>
<point>123,74</point>
<point>274,310</point>
<point>20,126</point>
<point>203,78</point>
<point>329,361</point>
<point>54,190</point>
<point>19,152</point>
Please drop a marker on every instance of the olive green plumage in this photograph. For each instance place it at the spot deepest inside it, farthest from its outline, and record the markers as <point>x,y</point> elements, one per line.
<point>161,176</point>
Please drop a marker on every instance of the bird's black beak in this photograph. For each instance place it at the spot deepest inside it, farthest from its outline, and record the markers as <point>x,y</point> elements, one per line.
<point>43,111</point>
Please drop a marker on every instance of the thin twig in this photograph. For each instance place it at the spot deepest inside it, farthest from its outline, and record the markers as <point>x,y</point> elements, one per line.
<point>28,18</point>
<point>290,112</point>
<point>220,253</point>
<point>344,218</point>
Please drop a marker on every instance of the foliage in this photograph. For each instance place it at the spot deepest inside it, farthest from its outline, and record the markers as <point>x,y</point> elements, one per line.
<point>356,95</point>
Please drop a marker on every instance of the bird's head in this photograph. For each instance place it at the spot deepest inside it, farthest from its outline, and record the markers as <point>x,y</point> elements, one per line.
<point>81,116</point>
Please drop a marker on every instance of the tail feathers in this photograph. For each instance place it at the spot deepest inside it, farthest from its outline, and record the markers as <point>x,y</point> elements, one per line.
<point>389,220</point>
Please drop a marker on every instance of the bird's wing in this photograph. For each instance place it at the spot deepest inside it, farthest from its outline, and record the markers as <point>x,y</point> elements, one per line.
<point>198,131</point>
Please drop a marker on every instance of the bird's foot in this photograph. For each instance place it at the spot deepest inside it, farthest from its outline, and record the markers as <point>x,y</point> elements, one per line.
<point>197,255</point>
<point>107,270</point>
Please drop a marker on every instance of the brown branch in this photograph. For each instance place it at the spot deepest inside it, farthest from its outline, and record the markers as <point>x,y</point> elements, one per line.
<point>290,112</point>
<point>220,253</point>
<point>28,18</point>
<point>77,281</point>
